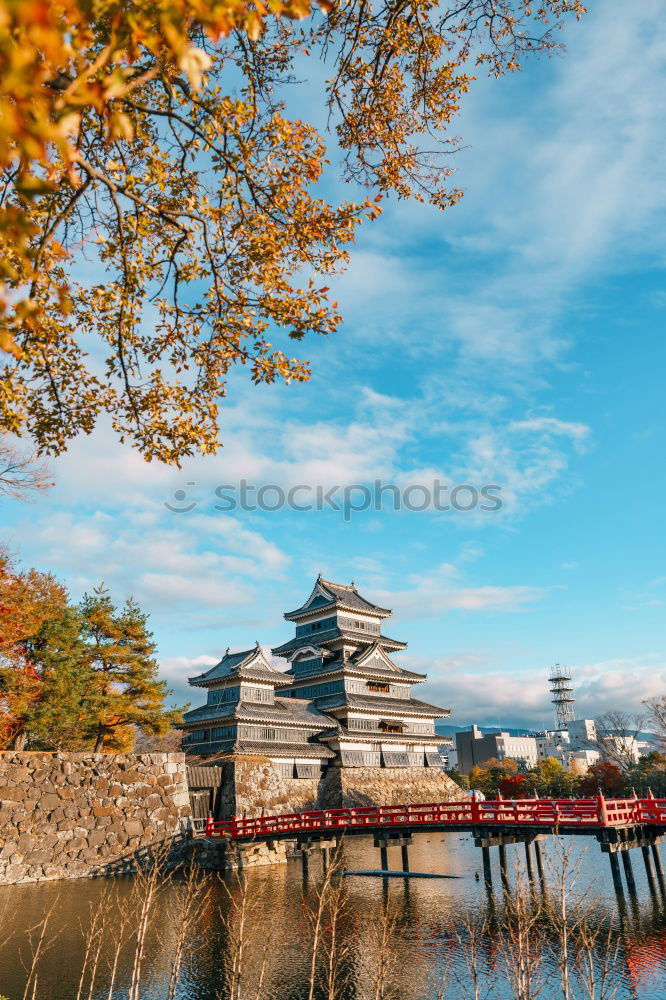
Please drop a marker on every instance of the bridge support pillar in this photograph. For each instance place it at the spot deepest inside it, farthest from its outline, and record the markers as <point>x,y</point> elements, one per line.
<point>648,868</point>
<point>385,839</point>
<point>528,861</point>
<point>487,872</point>
<point>659,868</point>
<point>615,872</point>
<point>502,861</point>
<point>539,862</point>
<point>628,872</point>
<point>325,857</point>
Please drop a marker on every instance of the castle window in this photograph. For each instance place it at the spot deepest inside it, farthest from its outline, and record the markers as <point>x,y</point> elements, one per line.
<point>223,733</point>
<point>198,736</point>
<point>283,735</point>
<point>376,686</point>
<point>259,694</point>
<point>319,690</point>
<point>360,724</point>
<point>320,626</point>
<point>307,770</point>
<point>223,695</point>
<point>391,727</point>
<point>358,626</point>
<point>307,666</point>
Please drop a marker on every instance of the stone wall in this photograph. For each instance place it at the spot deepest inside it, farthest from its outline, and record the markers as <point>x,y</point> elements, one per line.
<point>252,786</point>
<point>70,815</point>
<point>73,815</point>
<point>387,786</point>
<point>217,855</point>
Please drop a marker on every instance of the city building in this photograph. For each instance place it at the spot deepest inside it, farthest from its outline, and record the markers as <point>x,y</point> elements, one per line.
<point>573,742</point>
<point>571,747</point>
<point>475,748</point>
<point>620,749</point>
<point>341,700</point>
<point>552,743</point>
<point>582,734</point>
<point>580,761</point>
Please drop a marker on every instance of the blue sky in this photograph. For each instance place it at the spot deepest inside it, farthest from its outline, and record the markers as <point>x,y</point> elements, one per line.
<point>516,339</point>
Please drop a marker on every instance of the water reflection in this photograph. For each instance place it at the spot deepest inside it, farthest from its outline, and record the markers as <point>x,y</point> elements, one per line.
<point>428,919</point>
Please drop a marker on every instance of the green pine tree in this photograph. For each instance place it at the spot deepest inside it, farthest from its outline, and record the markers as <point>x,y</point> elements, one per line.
<point>120,655</point>
<point>65,713</point>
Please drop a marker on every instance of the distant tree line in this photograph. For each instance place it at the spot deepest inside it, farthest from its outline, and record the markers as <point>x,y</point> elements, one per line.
<point>550,779</point>
<point>74,676</point>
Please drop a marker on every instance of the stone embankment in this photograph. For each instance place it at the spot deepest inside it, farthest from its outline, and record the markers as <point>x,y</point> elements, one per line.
<point>253,787</point>
<point>71,815</point>
<point>387,786</point>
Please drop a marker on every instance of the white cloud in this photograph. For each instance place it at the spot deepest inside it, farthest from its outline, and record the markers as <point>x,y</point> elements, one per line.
<point>438,590</point>
<point>562,182</point>
<point>477,690</point>
<point>551,426</point>
<point>186,566</point>
<point>174,669</point>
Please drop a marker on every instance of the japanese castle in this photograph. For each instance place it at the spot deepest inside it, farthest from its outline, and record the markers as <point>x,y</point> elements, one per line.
<point>342,700</point>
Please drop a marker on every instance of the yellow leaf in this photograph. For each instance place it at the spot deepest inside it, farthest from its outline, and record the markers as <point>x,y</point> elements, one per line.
<point>194,63</point>
<point>9,345</point>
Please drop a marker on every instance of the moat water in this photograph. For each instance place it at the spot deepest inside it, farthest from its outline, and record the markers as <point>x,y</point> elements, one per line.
<point>427,948</point>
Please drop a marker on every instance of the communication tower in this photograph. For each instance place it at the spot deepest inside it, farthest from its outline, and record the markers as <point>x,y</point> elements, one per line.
<point>561,690</point>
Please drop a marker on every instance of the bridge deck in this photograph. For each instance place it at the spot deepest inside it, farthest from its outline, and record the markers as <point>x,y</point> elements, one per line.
<point>537,815</point>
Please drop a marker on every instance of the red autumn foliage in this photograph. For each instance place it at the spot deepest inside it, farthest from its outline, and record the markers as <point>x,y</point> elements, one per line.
<point>27,600</point>
<point>605,776</point>
<point>514,787</point>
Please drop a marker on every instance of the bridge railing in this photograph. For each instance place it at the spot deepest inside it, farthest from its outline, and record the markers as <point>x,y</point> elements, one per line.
<point>581,813</point>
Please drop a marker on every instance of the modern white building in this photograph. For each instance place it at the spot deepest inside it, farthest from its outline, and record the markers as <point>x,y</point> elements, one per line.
<point>475,748</point>
<point>582,734</point>
<point>552,744</point>
<point>573,746</point>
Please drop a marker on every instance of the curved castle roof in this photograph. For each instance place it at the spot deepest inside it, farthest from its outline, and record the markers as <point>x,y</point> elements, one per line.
<point>345,597</point>
<point>246,665</point>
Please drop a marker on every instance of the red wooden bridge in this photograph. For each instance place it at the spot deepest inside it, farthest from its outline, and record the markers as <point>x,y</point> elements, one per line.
<point>521,815</point>
<point>618,825</point>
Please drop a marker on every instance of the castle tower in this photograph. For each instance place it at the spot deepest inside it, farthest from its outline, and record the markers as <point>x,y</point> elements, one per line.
<point>339,661</point>
<point>342,700</point>
<point>244,715</point>
<point>562,690</point>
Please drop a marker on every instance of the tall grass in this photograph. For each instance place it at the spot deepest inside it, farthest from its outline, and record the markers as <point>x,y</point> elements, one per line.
<point>530,946</point>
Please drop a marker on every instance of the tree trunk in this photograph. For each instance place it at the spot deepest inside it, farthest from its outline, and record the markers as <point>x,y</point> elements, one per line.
<point>99,742</point>
<point>20,740</point>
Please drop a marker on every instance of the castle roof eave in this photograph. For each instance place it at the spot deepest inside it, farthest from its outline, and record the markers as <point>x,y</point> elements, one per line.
<point>338,595</point>
<point>243,674</point>
<point>295,712</point>
<point>324,640</point>
<point>247,664</point>
<point>340,732</point>
<point>341,670</point>
<point>315,750</point>
<point>375,704</point>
